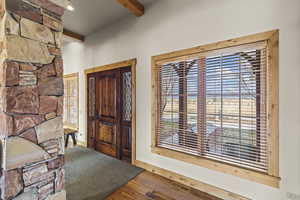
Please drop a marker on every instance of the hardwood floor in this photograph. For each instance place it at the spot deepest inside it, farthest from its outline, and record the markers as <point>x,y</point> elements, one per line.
<point>149,186</point>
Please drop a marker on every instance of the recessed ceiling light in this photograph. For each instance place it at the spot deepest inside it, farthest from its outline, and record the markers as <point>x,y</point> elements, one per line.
<point>70,7</point>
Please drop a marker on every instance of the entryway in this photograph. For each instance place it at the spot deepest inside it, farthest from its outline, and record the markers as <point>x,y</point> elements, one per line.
<point>111,110</point>
<point>93,176</point>
<point>95,172</point>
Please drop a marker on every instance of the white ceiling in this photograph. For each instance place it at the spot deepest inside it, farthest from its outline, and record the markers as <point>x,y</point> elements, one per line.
<point>92,15</point>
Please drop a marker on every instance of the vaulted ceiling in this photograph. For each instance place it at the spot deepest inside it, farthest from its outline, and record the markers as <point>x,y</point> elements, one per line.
<point>93,15</point>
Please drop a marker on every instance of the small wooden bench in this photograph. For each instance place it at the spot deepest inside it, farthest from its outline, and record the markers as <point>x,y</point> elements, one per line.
<point>70,132</point>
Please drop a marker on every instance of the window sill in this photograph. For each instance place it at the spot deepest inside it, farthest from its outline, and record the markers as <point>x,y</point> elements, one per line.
<point>219,166</point>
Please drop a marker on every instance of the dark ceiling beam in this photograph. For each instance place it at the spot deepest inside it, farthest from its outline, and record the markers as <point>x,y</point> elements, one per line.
<point>73,35</point>
<point>133,6</point>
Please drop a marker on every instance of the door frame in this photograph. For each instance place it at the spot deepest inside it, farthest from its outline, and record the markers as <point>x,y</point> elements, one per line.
<point>126,63</point>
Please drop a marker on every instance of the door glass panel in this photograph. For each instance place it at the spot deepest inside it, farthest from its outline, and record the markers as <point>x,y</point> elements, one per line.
<point>92,96</point>
<point>126,96</point>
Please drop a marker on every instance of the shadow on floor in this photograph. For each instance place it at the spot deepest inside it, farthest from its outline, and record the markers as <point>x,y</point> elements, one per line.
<point>93,176</point>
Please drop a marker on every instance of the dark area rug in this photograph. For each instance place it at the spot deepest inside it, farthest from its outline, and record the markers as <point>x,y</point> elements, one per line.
<point>93,176</point>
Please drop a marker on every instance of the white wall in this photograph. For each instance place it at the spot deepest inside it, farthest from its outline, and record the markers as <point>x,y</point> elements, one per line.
<point>74,60</point>
<point>170,25</point>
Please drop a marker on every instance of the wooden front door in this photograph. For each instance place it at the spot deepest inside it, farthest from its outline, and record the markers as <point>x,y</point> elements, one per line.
<point>109,120</point>
<point>107,107</point>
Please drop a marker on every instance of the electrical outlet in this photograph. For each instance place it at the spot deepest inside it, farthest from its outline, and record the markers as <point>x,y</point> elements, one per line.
<point>292,196</point>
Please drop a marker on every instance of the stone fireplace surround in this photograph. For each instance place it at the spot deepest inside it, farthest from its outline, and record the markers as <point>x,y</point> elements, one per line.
<point>31,103</point>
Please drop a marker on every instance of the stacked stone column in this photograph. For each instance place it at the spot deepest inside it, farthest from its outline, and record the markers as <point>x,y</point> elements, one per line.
<point>31,103</point>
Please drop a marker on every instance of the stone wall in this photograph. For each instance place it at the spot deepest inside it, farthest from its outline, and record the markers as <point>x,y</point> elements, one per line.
<point>31,103</point>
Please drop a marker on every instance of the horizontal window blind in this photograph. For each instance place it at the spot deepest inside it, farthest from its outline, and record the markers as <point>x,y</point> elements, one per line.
<point>214,106</point>
<point>70,117</point>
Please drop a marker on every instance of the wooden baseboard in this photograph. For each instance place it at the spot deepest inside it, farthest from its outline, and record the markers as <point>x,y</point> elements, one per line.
<point>212,190</point>
<point>82,144</point>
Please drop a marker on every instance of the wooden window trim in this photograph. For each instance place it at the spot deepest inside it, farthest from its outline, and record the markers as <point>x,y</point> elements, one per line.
<point>272,177</point>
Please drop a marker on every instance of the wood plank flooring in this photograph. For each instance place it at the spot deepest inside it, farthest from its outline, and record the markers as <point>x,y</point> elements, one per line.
<point>149,186</point>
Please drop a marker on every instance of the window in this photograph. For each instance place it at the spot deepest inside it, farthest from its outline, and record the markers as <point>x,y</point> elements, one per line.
<point>71,100</point>
<point>214,105</point>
